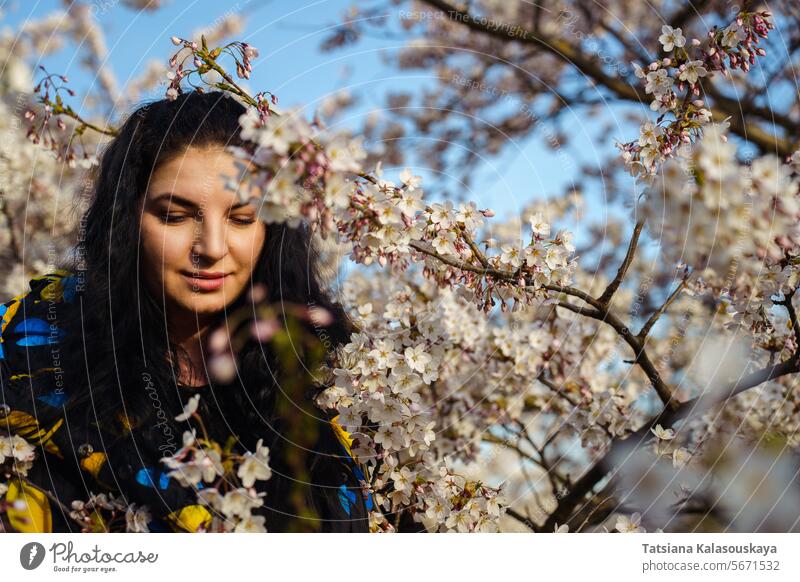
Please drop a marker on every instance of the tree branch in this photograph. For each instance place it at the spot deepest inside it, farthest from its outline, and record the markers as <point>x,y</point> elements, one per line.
<point>642,335</point>
<point>608,294</point>
<point>623,90</point>
<point>602,468</point>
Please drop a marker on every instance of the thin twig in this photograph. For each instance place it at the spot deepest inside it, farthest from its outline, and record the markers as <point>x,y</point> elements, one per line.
<point>642,335</point>
<point>527,521</point>
<point>608,294</point>
<point>787,303</point>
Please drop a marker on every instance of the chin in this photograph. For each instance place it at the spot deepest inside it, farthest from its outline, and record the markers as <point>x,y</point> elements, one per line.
<point>207,305</point>
<point>203,303</point>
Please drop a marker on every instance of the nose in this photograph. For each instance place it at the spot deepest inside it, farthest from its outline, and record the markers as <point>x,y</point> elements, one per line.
<point>210,242</point>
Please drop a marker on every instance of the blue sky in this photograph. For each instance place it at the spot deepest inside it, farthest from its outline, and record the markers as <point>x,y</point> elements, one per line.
<point>288,35</point>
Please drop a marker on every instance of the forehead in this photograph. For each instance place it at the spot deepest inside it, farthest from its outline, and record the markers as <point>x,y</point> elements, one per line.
<point>195,174</point>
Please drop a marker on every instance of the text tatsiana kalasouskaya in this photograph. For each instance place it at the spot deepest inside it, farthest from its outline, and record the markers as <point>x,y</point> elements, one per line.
<point>709,549</point>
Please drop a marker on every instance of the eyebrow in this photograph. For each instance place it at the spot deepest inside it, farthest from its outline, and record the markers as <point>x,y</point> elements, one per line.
<point>170,197</point>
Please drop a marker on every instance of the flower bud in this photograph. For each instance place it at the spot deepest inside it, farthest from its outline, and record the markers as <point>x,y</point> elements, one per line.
<point>218,341</point>
<point>320,316</point>
<point>223,367</point>
<point>264,329</point>
<point>257,293</point>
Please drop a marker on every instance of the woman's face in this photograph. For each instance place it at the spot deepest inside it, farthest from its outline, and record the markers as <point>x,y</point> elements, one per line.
<point>199,243</point>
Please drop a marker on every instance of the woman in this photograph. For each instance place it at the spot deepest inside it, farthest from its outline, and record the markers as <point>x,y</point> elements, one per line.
<point>99,357</point>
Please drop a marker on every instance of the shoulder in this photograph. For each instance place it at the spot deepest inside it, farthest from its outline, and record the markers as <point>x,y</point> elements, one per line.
<point>33,392</point>
<point>27,320</point>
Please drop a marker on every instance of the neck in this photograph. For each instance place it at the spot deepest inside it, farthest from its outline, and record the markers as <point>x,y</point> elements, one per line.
<point>190,336</point>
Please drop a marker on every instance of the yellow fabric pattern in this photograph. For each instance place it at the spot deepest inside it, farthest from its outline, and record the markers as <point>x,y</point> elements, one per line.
<point>126,423</point>
<point>54,291</point>
<point>343,436</point>
<point>190,518</point>
<point>38,372</point>
<point>93,463</point>
<point>10,312</point>
<point>28,428</point>
<point>35,516</point>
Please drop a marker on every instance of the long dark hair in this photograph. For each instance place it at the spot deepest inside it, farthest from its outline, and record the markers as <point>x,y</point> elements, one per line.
<point>123,338</point>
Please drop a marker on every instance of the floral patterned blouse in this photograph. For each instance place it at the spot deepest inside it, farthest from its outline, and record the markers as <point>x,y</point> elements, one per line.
<point>72,464</point>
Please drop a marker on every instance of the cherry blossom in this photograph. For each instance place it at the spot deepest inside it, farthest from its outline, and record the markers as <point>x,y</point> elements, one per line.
<point>671,38</point>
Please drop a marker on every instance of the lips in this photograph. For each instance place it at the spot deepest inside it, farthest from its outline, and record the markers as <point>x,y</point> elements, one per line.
<point>205,274</point>
<point>205,280</point>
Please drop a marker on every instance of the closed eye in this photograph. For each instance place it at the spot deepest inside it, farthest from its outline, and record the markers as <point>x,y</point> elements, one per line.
<point>243,220</point>
<point>178,218</point>
<point>173,218</point>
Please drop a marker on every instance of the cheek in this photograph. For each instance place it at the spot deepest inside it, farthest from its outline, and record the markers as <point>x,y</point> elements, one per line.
<point>161,249</point>
<point>246,247</point>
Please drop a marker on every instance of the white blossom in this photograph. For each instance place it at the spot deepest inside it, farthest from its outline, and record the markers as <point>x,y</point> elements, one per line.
<point>671,38</point>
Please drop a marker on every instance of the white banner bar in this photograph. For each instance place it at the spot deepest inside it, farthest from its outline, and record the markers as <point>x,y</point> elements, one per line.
<point>262,557</point>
